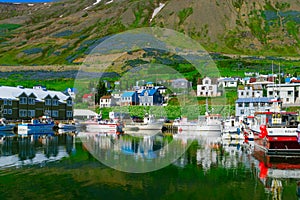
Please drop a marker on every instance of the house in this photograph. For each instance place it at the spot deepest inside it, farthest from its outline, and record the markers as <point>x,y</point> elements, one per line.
<point>227,82</point>
<point>129,98</point>
<point>71,92</point>
<point>19,103</point>
<point>107,101</point>
<point>248,106</point>
<point>288,93</point>
<point>250,91</point>
<point>181,83</point>
<point>208,88</point>
<point>151,97</point>
<point>88,98</point>
<point>117,97</point>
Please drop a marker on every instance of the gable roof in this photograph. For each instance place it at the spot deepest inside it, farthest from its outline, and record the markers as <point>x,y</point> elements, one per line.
<point>151,92</point>
<point>254,100</point>
<point>128,94</point>
<point>85,96</point>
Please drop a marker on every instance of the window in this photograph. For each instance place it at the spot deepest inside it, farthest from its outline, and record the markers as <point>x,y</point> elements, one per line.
<point>5,111</point>
<point>262,104</point>
<point>287,99</point>
<point>5,102</point>
<point>69,102</point>
<point>255,104</point>
<point>23,100</point>
<point>270,93</point>
<point>9,111</point>
<point>55,102</point>
<point>23,113</point>
<point>9,102</point>
<point>54,113</point>
<point>242,112</point>
<point>290,92</point>
<point>31,113</point>
<point>48,102</point>
<point>31,101</point>
<point>240,105</point>
<point>47,112</point>
<point>246,104</point>
<point>242,93</point>
<point>210,87</point>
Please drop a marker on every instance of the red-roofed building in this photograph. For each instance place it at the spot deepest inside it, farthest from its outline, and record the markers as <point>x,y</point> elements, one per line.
<point>88,98</point>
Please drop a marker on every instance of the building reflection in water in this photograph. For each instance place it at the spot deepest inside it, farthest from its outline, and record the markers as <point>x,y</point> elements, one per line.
<point>35,149</point>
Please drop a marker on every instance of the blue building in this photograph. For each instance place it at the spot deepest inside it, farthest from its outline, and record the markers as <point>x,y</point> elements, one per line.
<point>151,97</point>
<point>129,98</point>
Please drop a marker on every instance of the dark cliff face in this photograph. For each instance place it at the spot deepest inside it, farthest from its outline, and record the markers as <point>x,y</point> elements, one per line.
<point>64,31</point>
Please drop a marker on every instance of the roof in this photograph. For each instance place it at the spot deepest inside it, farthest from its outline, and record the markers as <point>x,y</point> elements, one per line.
<point>87,96</point>
<point>254,100</point>
<point>7,92</point>
<point>151,92</point>
<point>106,97</point>
<point>127,94</point>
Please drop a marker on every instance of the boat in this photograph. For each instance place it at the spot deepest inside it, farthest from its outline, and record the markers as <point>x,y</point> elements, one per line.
<point>99,125</point>
<point>232,129</point>
<point>275,131</point>
<point>43,125</point>
<point>149,123</point>
<point>6,127</point>
<point>207,122</point>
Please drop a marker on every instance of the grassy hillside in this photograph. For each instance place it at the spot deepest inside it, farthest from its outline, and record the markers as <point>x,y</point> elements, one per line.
<point>64,32</point>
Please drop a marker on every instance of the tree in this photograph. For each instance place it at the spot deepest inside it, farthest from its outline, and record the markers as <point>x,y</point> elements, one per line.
<point>101,90</point>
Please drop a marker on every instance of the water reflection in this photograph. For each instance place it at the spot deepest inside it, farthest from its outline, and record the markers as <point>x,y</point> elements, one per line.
<point>34,149</point>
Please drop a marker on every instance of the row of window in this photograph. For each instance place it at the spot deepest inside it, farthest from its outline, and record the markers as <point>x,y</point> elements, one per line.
<point>31,113</point>
<point>247,104</point>
<point>31,101</point>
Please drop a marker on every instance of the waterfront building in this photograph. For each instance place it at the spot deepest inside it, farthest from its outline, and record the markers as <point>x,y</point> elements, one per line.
<point>288,93</point>
<point>248,106</point>
<point>19,103</point>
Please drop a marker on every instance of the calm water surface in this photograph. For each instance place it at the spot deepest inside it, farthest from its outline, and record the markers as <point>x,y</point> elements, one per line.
<point>67,166</point>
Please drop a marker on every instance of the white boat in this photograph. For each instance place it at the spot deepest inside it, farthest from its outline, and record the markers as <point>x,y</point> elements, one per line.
<point>149,123</point>
<point>232,129</point>
<point>42,125</point>
<point>208,122</point>
<point>6,127</point>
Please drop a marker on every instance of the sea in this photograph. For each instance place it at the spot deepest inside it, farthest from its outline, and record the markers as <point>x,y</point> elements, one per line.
<point>141,165</point>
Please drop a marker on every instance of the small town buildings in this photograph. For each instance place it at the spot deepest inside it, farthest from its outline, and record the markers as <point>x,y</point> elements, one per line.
<point>18,103</point>
<point>208,88</point>
<point>107,101</point>
<point>71,92</point>
<point>288,93</point>
<point>129,98</point>
<point>250,91</point>
<point>151,97</point>
<point>228,82</point>
<point>248,106</point>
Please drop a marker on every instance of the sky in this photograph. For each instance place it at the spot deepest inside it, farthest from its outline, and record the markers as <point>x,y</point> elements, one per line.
<point>25,1</point>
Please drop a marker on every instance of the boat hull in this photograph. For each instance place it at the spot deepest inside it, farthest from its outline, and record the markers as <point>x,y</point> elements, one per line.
<point>7,127</point>
<point>25,129</point>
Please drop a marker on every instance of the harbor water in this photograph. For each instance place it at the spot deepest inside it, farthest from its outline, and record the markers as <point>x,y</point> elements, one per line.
<point>79,165</point>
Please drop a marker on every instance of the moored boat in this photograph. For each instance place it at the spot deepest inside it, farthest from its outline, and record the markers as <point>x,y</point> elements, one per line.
<point>149,123</point>
<point>276,132</point>
<point>44,124</point>
<point>6,127</point>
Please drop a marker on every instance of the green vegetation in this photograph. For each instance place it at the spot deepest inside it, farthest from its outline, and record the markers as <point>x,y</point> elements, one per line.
<point>185,13</point>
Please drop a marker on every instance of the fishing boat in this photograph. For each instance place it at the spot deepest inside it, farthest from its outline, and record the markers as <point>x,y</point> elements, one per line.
<point>44,124</point>
<point>207,122</point>
<point>6,127</point>
<point>275,130</point>
<point>149,123</point>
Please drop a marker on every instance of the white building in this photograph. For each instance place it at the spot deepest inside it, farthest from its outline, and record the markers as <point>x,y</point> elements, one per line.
<point>288,93</point>
<point>208,88</point>
<point>248,106</point>
<point>228,82</point>
<point>107,101</point>
<point>250,91</point>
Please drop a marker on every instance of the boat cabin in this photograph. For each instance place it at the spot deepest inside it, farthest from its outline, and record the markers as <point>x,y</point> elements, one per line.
<point>277,119</point>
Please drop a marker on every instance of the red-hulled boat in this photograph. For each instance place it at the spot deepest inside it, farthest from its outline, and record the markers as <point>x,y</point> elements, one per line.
<point>275,131</point>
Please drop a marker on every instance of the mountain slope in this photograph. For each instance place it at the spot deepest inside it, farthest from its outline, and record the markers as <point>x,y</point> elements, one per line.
<point>64,32</point>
